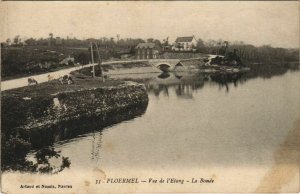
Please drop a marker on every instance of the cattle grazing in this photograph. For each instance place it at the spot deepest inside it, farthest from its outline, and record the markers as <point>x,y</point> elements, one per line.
<point>32,81</point>
<point>70,80</point>
<point>66,79</point>
<point>60,79</point>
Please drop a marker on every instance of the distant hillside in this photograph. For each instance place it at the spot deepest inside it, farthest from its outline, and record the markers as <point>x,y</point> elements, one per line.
<point>28,60</point>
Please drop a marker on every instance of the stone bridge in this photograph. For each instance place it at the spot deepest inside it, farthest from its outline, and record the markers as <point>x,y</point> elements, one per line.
<point>165,64</point>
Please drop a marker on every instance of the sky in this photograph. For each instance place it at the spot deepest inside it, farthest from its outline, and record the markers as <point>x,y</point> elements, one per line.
<point>274,23</point>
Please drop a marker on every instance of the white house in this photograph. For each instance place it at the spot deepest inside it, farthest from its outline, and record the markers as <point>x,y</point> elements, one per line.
<point>187,43</point>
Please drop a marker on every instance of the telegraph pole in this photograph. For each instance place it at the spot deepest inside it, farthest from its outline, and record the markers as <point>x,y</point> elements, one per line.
<point>100,62</point>
<point>93,60</point>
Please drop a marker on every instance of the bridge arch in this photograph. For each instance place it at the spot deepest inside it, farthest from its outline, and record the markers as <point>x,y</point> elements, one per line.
<point>164,66</point>
<point>179,67</point>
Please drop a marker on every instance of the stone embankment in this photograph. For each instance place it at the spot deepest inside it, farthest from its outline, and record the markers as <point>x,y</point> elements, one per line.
<point>49,106</point>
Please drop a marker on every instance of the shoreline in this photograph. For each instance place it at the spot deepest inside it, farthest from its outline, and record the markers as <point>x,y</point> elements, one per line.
<point>52,98</point>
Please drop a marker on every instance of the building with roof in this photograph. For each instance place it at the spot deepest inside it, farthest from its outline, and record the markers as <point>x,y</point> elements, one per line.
<point>148,50</point>
<point>187,43</point>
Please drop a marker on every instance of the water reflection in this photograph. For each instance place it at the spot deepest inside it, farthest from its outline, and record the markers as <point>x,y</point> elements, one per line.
<point>72,128</point>
<point>164,115</point>
<point>164,75</point>
<point>19,144</point>
<point>14,158</point>
<point>269,70</point>
<point>187,82</point>
<point>96,145</point>
<point>224,79</point>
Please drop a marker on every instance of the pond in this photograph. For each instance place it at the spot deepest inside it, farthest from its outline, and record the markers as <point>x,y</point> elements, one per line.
<point>227,128</point>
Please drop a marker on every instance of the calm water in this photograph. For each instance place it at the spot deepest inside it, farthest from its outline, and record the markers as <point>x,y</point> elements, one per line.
<point>192,121</point>
<point>196,124</point>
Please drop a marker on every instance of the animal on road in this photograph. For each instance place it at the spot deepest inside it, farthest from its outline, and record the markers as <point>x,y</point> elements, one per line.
<point>32,81</point>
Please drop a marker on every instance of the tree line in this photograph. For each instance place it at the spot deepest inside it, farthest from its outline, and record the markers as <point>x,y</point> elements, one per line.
<point>19,55</point>
<point>249,53</point>
<point>75,42</point>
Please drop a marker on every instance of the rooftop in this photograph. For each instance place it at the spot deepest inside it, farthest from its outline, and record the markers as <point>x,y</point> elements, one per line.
<point>185,39</point>
<point>146,45</point>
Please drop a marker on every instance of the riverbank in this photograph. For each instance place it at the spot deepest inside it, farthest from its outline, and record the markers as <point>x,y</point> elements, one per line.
<point>51,102</point>
<point>109,67</point>
<point>42,114</point>
<point>48,104</point>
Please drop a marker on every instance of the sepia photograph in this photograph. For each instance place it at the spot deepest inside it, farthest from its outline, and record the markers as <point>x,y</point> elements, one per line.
<point>150,97</point>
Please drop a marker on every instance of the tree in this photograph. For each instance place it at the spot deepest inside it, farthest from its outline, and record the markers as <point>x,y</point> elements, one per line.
<point>200,44</point>
<point>212,46</point>
<point>157,42</point>
<point>30,41</point>
<point>165,45</point>
<point>223,48</point>
<point>17,40</point>
<point>42,41</point>
<point>166,41</point>
<point>8,41</point>
<point>50,40</point>
<point>51,36</point>
<point>150,40</point>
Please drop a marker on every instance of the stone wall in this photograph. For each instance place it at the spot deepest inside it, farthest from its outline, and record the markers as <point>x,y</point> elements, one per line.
<point>25,116</point>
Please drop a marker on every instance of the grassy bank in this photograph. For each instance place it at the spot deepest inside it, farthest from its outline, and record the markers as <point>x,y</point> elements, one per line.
<point>49,103</point>
<point>32,60</point>
<point>39,115</point>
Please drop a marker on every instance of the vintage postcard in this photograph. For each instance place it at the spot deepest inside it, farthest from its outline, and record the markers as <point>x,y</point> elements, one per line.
<point>149,97</point>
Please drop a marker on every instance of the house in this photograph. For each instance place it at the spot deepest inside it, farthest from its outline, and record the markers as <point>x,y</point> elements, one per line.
<point>187,43</point>
<point>147,50</point>
<point>123,53</point>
